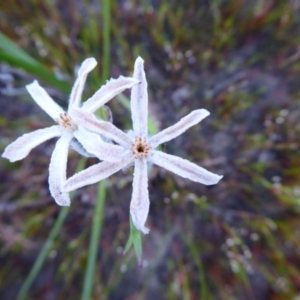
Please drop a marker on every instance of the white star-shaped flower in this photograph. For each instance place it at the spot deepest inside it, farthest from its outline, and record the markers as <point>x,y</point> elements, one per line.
<point>139,149</point>
<point>69,131</point>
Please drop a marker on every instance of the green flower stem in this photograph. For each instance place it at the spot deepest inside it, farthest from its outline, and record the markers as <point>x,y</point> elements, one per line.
<point>43,254</point>
<point>134,240</point>
<point>204,289</point>
<point>94,241</point>
<point>101,194</point>
<point>48,245</point>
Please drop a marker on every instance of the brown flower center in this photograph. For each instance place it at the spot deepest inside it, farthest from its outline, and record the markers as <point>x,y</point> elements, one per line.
<point>66,122</point>
<point>140,148</point>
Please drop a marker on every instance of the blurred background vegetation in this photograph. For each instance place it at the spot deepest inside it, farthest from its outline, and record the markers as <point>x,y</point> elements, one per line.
<point>239,59</point>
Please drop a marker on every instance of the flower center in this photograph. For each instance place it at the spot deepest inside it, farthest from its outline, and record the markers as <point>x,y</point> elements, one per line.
<point>140,148</point>
<point>66,122</point>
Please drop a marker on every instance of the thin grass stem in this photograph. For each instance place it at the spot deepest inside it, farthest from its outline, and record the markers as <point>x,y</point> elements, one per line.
<point>98,212</point>
<point>39,262</point>
<point>106,40</point>
<point>94,241</point>
<point>43,254</point>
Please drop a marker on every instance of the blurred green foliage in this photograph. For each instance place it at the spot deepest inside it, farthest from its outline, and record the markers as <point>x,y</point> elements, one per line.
<point>237,240</point>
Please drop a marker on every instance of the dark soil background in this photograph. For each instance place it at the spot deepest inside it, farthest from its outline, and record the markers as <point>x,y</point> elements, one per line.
<point>240,239</point>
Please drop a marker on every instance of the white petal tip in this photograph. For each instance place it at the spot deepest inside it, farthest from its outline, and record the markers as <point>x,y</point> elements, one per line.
<point>63,203</point>
<point>216,179</point>
<point>220,177</point>
<point>138,226</point>
<point>204,111</point>
<point>201,113</point>
<point>12,158</point>
<point>144,230</point>
<point>4,155</point>
<point>91,61</point>
<point>32,84</point>
<point>139,60</point>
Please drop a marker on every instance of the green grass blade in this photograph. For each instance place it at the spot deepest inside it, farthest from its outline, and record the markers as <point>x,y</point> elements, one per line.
<point>106,40</point>
<point>137,242</point>
<point>43,254</point>
<point>134,240</point>
<point>48,245</point>
<point>94,241</point>
<point>99,209</point>
<point>15,56</point>
<point>204,289</point>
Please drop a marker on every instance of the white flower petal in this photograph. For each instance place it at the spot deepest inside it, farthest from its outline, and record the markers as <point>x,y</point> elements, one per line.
<point>75,145</point>
<point>96,173</point>
<point>184,168</point>
<point>93,144</point>
<point>108,91</point>
<point>58,170</point>
<point>90,122</point>
<point>173,131</point>
<point>139,100</point>
<point>87,66</point>
<point>41,97</point>
<point>139,205</point>
<point>128,168</point>
<point>21,147</point>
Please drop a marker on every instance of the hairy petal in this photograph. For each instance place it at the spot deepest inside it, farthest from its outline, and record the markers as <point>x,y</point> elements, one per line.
<point>96,173</point>
<point>139,205</point>
<point>41,97</point>
<point>58,170</point>
<point>90,122</point>
<point>93,144</point>
<point>87,66</point>
<point>75,145</point>
<point>21,147</point>
<point>139,100</point>
<point>184,168</point>
<point>108,91</point>
<point>173,131</point>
